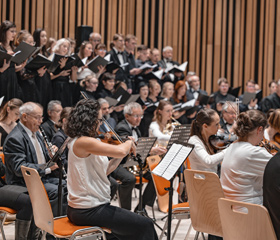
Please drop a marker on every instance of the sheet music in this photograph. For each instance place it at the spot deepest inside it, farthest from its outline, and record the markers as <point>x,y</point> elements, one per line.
<point>180,134</point>
<point>173,159</point>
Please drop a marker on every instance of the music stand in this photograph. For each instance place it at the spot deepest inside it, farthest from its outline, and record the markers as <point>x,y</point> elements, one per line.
<point>167,169</point>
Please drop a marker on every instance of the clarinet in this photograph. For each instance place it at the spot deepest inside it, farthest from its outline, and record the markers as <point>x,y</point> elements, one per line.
<point>50,149</point>
<point>47,142</point>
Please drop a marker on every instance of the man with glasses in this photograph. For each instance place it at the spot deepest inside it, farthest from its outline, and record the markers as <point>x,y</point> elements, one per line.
<point>24,146</point>
<point>54,111</point>
<point>94,38</point>
<point>228,116</point>
<point>133,113</point>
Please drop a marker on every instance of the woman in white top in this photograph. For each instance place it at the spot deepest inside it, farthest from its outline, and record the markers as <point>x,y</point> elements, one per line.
<point>88,185</point>
<point>161,126</point>
<point>273,128</point>
<point>244,161</point>
<point>203,156</point>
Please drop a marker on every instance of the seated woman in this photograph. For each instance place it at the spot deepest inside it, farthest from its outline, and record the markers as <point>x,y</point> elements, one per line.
<point>16,197</point>
<point>88,185</point>
<point>89,85</point>
<point>203,156</point>
<point>162,127</point>
<point>245,161</point>
<point>8,117</point>
<point>271,133</point>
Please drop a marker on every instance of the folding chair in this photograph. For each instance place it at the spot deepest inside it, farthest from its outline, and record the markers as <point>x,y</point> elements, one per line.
<point>255,224</point>
<point>60,227</point>
<point>179,211</point>
<point>204,189</point>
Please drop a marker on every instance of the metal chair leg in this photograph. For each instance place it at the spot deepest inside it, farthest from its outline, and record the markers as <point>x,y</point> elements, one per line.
<point>189,230</point>
<point>196,235</point>
<point>3,216</point>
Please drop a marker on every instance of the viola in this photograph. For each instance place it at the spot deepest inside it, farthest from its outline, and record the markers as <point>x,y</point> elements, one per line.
<point>222,141</point>
<point>270,145</point>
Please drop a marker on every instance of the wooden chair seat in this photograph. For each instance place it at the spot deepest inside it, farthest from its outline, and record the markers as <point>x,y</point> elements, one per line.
<point>144,180</point>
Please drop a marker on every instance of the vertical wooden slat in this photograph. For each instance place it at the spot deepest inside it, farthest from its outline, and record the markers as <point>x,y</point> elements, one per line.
<point>11,12</point>
<point>119,16</point>
<point>180,34</point>
<point>266,39</point>
<point>4,10</point>
<point>261,41</point>
<point>48,13</point>
<point>72,16</point>
<point>160,25</point>
<point>217,44</point>
<point>66,18</point>
<point>146,22</point>
<point>26,14</point>
<point>84,12</point>
<point>152,33</point>
<point>186,35</point>
<point>224,31</point>
<point>192,38</point>
<point>253,45</point>
<point>139,9</point>
<point>174,30</point>
<point>79,13</point>
<point>114,17</point>
<point>277,44</point>
<point>102,31</point>
<point>39,17</point>
<point>90,15</point>
<point>209,57</point>
<point>96,16</point>
<point>33,14</point>
<point>166,22</point>
<point>198,37</point>
<point>124,29</point>
<point>18,8</point>
<point>229,43</point>
<point>60,15</point>
<point>236,42</point>
<point>242,40</point>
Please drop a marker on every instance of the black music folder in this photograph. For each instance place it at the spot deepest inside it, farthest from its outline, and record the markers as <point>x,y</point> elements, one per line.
<point>124,97</point>
<point>247,97</point>
<point>77,61</point>
<point>55,61</point>
<point>154,75</point>
<point>38,62</point>
<point>4,55</point>
<point>96,62</point>
<point>175,68</point>
<point>172,160</point>
<point>23,52</point>
<point>184,106</point>
<point>234,91</point>
<point>205,99</point>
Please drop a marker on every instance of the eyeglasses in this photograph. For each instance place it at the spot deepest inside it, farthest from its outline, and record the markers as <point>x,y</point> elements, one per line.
<point>38,118</point>
<point>136,116</point>
<point>231,113</point>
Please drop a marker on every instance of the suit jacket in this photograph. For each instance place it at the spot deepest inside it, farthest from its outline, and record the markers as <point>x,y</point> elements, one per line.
<point>270,102</point>
<point>49,129</point>
<point>223,125</point>
<point>190,96</point>
<point>112,123</point>
<point>123,129</point>
<point>18,150</point>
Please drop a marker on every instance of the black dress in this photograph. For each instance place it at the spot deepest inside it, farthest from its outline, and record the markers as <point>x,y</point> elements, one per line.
<point>44,88</point>
<point>9,86</point>
<point>61,89</point>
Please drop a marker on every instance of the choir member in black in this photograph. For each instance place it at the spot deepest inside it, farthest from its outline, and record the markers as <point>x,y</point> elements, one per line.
<point>86,51</point>
<point>27,78</point>
<point>49,45</point>
<point>221,96</point>
<point>16,197</point>
<point>9,86</point>
<point>108,83</point>
<point>167,91</point>
<point>8,116</point>
<point>60,136</point>
<point>100,50</point>
<point>272,87</point>
<point>43,77</point>
<point>153,98</point>
<point>167,62</point>
<point>89,86</point>
<point>194,87</point>
<point>118,57</point>
<point>250,88</point>
<point>154,58</point>
<point>60,77</point>
<point>143,92</point>
<point>179,96</point>
<point>272,101</point>
<point>54,111</point>
<point>130,43</point>
<point>95,38</point>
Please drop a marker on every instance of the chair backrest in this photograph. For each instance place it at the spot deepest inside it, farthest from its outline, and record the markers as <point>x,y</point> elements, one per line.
<point>160,185</point>
<point>42,211</point>
<point>204,189</point>
<point>255,224</point>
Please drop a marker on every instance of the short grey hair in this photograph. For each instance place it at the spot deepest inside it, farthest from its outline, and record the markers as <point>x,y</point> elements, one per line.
<point>167,48</point>
<point>129,107</point>
<point>102,101</point>
<point>228,104</point>
<point>52,103</point>
<point>28,108</point>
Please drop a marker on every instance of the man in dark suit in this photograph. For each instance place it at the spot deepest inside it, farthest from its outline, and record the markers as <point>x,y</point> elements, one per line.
<point>253,104</point>
<point>25,146</point>
<point>228,116</point>
<point>272,101</point>
<point>167,62</point>
<point>194,88</point>
<point>129,127</point>
<point>54,111</point>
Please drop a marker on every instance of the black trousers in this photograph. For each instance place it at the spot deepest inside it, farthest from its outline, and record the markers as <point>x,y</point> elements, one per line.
<point>125,189</point>
<point>125,225</point>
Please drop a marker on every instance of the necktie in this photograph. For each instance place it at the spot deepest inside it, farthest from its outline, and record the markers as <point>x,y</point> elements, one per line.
<point>40,158</point>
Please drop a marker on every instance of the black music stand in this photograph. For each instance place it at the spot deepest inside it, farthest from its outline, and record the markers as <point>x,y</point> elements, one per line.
<point>57,159</point>
<point>167,169</point>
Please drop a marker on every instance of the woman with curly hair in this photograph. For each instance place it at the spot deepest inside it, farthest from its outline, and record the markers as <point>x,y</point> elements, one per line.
<point>245,161</point>
<point>88,185</point>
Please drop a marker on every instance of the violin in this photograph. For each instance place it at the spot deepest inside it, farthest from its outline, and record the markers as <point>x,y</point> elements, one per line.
<point>222,141</point>
<point>270,145</point>
<point>109,137</point>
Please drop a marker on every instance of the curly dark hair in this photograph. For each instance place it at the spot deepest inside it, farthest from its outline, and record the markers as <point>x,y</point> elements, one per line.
<point>248,121</point>
<point>83,119</point>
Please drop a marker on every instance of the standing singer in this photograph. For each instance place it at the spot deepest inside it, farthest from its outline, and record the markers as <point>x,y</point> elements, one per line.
<point>88,185</point>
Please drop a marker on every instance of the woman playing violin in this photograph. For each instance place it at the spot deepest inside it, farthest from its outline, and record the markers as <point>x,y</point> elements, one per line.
<point>88,185</point>
<point>244,162</point>
<point>272,132</point>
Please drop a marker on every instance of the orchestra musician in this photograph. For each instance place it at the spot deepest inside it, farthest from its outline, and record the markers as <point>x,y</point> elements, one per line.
<point>88,185</point>
<point>244,161</point>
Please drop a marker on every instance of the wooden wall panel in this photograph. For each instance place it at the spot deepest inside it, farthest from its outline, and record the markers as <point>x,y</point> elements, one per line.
<point>236,39</point>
